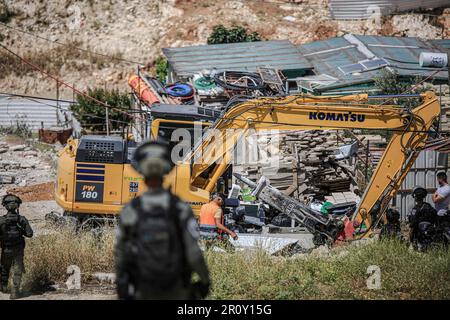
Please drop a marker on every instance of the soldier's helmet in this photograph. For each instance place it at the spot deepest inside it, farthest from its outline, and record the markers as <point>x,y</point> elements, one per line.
<point>152,159</point>
<point>11,202</point>
<point>419,193</point>
<point>392,215</point>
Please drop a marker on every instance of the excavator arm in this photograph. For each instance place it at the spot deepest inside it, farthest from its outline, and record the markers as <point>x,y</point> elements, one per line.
<point>194,178</point>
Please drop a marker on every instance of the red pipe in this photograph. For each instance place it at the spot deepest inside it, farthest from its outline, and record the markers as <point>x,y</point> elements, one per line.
<point>142,90</point>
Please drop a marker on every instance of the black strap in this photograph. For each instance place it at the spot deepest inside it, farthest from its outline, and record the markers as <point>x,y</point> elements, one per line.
<point>176,219</point>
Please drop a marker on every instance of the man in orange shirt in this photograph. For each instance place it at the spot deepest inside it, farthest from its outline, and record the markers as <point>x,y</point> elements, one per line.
<point>211,218</point>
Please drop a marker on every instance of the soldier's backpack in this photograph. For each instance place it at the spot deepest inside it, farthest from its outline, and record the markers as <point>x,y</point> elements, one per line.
<point>160,251</point>
<point>11,234</point>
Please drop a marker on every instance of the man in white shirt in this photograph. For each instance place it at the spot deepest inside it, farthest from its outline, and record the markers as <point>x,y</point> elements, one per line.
<point>441,197</point>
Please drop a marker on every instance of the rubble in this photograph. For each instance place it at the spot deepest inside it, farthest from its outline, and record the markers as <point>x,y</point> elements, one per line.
<point>6,179</point>
<point>25,171</point>
<point>272,245</point>
<point>20,147</point>
<point>306,163</point>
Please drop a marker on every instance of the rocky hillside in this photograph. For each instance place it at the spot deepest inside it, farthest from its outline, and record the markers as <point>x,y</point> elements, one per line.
<point>137,30</point>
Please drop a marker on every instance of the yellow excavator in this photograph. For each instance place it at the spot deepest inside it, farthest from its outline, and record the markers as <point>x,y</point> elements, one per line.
<point>95,176</point>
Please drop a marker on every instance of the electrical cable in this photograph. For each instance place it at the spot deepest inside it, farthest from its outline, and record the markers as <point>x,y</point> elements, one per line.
<point>36,100</point>
<point>65,84</point>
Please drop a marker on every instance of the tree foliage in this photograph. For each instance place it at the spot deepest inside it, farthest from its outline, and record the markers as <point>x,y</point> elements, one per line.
<point>221,34</point>
<point>92,115</point>
<point>161,65</point>
<point>389,82</point>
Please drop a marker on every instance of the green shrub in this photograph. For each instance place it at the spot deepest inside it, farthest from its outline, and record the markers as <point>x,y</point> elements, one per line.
<point>6,13</point>
<point>92,115</point>
<point>221,34</point>
<point>162,67</point>
<point>389,82</point>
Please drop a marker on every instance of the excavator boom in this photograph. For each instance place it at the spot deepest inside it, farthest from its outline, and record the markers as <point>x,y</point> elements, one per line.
<point>194,178</point>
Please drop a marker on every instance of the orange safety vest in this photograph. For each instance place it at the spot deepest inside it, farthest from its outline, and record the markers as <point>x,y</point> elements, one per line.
<point>207,213</point>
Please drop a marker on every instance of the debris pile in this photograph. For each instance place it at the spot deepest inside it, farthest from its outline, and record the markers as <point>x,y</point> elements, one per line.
<point>207,88</point>
<point>308,163</point>
<point>23,166</point>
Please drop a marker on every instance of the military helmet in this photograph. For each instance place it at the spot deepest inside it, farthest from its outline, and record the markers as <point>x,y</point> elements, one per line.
<point>152,158</point>
<point>392,215</point>
<point>419,192</point>
<point>11,201</point>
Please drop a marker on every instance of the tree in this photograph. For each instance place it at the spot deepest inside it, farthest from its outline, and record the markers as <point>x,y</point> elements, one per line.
<point>390,82</point>
<point>221,34</point>
<point>162,66</point>
<point>92,115</point>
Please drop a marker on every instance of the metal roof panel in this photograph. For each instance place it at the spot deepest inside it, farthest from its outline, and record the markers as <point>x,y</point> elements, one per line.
<point>281,54</point>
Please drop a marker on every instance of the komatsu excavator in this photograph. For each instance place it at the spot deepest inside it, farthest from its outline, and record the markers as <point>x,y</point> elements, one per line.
<point>196,176</point>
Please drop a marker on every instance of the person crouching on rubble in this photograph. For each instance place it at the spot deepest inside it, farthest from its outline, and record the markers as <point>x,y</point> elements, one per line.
<point>156,247</point>
<point>211,221</point>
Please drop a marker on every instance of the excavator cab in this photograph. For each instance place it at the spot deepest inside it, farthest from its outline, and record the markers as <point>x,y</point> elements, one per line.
<point>94,174</point>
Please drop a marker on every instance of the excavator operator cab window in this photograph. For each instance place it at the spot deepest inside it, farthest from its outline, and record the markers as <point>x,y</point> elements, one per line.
<point>167,132</point>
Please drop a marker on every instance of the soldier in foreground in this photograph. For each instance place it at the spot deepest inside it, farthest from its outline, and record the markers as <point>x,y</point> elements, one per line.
<point>13,229</point>
<point>156,246</point>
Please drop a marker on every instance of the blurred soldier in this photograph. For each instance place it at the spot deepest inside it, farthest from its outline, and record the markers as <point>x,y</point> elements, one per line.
<point>156,247</point>
<point>13,229</point>
<point>421,212</point>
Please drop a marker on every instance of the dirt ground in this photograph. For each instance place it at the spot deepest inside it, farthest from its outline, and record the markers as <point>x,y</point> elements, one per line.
<point>37,192</point>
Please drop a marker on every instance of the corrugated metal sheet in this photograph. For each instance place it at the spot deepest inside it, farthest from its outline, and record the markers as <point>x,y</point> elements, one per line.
<point>443,43</point>
<point>357,9</point>
<point>402,54</point>
<point>423,173</point>
<point>32,114</point>
<point>328,55</point>
<point>245,56</point>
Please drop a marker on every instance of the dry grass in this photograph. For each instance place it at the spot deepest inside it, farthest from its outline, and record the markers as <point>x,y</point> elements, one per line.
<point>48,256</point>
<point>405,274</point>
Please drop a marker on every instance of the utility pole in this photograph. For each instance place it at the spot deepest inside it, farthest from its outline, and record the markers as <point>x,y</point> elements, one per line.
<point>57,103</point>
<point>107,121</point>
<point>448,66</point>
<point>107,116</point>
<point>367,162</point>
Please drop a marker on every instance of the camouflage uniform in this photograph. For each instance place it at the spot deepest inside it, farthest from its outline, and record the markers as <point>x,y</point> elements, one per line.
<point>13,229</point>
<point>156,248</point>
<point>146,276</point>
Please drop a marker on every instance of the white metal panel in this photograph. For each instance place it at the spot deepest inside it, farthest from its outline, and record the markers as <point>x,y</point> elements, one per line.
<point>354,9</point>
<point>33,114</point>
<point>423,173</point>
